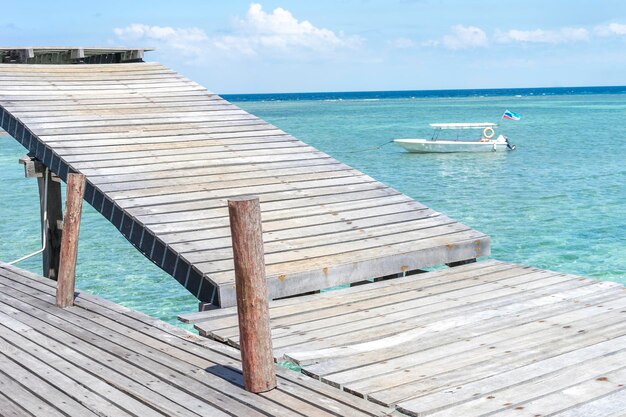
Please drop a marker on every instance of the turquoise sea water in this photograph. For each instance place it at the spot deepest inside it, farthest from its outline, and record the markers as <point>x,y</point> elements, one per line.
<point>558,202</point>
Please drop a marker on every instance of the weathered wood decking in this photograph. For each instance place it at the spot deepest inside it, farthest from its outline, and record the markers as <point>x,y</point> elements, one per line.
<point>101,359</point>
<point>488,338</point>
<point>162,155</point>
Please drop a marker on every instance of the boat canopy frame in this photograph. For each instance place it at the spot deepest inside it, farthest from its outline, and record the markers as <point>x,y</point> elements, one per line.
<point>438,127</point>
<point>455,126</point>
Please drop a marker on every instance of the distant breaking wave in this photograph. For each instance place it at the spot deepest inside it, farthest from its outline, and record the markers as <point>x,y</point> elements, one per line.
<point>415,94</point>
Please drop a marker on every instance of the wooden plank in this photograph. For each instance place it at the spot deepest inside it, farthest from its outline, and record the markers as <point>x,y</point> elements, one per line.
<point>431,351</point>
<point>168,137</point>
<point>483,364</point>
<point>204,157</point>
<point>438,400</point>
<point>64,134</point>
<point>308,275</point>
<point>211,151</point>
<point>129,182</point>
<point>194,142</point>
<point>321,301</point>
<point>66,386</point>
<point>408,355</point>
<point>304,234</point>
<point>575,396</point>
<point>409,314</point>
<point>115,152</point>
<point>72,379</point>
<point>121,125</point>
<point>607,406</point>
<point>316,242</point>
<point>28,81</point>
<point>16,400</point>
<point>167,368</point>
<point>318,195</point>
<point>151,333</point>
<point>131,107</point>
<point>330,398</point>
<point>283,228</point>
<point>318,256</point>
<point>297,308</point>
<point>341,310</point>
<point>171,100</point>
<point>573,380</point>
<point>435,325</point>
<point>234,183</point>
<point>155,331</point>
<point>366,213</point>
<point>220,161</point>
<point>494,320</point>
<point>175,197</point>
<point>84,117</point>
<point>127,110</point>
<point>116,373</point>
<point>284,173</point>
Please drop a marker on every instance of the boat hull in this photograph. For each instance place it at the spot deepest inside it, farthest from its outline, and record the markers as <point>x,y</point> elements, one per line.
<point>451,146</point>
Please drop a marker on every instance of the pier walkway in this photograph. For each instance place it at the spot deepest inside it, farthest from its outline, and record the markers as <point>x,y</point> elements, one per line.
<point>162,155</point>
<point>488,338</point>
<point>101,359</point>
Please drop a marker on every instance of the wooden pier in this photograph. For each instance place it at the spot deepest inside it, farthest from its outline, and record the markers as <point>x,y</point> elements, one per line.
<point>488,338</point>
<point>101,359</point>
<point>162,155</point>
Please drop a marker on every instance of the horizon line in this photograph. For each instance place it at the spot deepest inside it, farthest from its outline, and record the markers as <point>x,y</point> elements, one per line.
<point>425,90</point>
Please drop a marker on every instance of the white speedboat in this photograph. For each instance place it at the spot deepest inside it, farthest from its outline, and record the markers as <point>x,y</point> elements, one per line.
<point>486,142</point>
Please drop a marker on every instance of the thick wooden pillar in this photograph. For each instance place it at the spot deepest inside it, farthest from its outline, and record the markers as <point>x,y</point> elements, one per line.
<point>255,338</point>
<point>69,242</point>
<point>54,223</point>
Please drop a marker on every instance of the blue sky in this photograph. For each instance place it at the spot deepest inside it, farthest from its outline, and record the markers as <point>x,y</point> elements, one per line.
<point>352,45</point>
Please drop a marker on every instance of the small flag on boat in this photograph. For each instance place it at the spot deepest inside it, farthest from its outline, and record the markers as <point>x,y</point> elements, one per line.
<point>508,114</point>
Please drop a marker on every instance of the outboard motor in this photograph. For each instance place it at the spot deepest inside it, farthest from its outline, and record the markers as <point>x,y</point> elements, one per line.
<point>509,144</point>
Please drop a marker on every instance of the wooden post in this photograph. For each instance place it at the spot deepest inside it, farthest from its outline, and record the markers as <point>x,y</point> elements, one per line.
<point>255,339</point>
<point>53,226</point>
<point>69,241</point>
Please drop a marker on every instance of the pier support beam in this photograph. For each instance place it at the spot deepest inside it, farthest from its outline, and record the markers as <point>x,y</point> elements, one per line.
<point>33,168</point>
<point>255,337</point>
<point>69,243</point>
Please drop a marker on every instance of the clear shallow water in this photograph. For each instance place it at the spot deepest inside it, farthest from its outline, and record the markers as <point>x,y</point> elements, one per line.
<point>558,202</point>
<point>107,264</point>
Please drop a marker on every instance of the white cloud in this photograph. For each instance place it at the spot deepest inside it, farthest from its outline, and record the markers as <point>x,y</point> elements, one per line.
<point>258,32</point>
<point>611,29</point>
<point>280,31</point>
<point>402,43</point>
<point>462,37</point>
<point>562,35</point>
<point>189,41</point>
